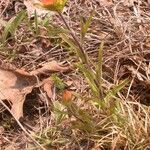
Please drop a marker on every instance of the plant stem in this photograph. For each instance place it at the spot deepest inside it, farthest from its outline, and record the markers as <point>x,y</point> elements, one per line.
<point>74,37</point>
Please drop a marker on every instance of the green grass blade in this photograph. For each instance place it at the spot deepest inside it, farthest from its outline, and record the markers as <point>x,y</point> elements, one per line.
<point>13,24</point>
<point>115,90</point>
<point>90,76</point>
<point>36,23</point>
<point>85,24</point>
<point>84,121</point>
<point>99,69</point>
<point>104,103</point>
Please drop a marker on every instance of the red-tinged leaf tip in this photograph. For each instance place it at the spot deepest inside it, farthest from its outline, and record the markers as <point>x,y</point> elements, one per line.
<point>53,5</point>
<point>67,96</point>
<point>48,2</point>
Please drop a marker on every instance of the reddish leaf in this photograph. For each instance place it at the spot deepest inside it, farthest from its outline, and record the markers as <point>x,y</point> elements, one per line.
<point>52,5</point>
<point>48,2</point>
<point>67,96</point>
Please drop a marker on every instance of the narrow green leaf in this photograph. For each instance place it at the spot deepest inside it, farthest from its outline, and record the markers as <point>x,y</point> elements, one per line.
<point>13,24</point>
<point>115,90</point>
<point>58,112</point>
<point>85,24</point>
<point>99,69</point>
<point>36,23</point>
<point>84,120</point>
<point>90,76</point>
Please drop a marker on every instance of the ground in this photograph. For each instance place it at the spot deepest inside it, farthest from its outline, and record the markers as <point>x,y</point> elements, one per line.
<point>108,110</point>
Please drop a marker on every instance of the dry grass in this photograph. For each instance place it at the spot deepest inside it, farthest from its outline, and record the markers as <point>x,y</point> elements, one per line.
<point>124,122</point>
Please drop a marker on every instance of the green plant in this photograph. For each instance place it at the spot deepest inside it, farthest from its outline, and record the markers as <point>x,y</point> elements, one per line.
<point>58,82</point>
<point>93,76</point>
<point>12,25</point>
<point>85,24</point>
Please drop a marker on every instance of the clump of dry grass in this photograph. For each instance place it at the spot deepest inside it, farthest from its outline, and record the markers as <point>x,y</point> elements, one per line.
<point>122,121</point>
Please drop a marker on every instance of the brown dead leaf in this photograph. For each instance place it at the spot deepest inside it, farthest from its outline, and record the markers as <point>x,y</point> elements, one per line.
<point>50,67</point>
<point>16,84</point>
<point>48,86</point>
<point>67,96</point>
<point>14,87</point>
